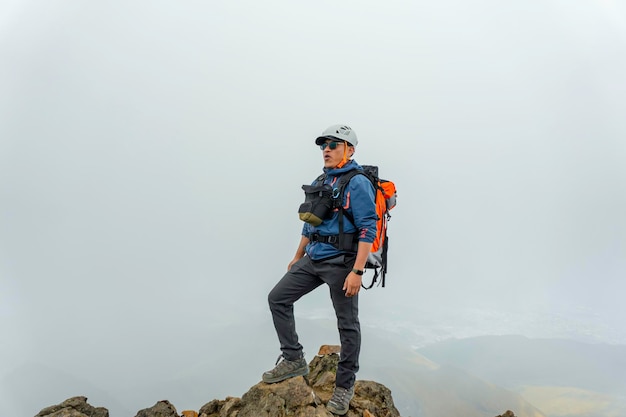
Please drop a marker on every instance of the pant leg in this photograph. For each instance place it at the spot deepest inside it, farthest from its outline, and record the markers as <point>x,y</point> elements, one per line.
<point>334,273</point>
<point>298,281</point>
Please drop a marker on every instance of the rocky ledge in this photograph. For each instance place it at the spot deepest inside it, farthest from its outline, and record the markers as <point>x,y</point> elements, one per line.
<point>298,397</point>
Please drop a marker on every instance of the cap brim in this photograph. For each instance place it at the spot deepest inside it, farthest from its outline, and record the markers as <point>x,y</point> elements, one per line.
<point>323,139</point>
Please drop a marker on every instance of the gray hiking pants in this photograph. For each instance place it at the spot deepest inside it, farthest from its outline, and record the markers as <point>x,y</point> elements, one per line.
<point>304,276</point>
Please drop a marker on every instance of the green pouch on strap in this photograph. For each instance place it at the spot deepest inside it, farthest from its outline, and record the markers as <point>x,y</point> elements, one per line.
<point>318,203</point>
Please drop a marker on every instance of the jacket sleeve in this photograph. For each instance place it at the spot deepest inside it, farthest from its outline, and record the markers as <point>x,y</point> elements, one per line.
<point>306,230</point>
<point>360,199</point>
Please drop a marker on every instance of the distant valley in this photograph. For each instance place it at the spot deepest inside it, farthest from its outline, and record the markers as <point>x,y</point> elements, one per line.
<point>562,378</point>
<point>473,377</point>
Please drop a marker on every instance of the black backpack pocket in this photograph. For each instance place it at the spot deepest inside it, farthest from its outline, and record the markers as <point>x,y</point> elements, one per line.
<point>318,203</point>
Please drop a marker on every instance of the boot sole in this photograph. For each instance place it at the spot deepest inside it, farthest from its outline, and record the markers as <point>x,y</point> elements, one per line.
<point>336,411</point>
<point>303,372</point>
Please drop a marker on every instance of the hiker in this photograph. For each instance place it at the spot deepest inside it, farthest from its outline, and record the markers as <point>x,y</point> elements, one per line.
<point>328,255</point>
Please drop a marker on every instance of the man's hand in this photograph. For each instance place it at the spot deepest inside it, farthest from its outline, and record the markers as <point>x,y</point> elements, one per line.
<point>352,284</point>
<point>299,252</point>
<point>293,261</point>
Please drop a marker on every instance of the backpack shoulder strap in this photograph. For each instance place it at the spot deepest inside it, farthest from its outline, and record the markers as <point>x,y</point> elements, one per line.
<point>345,178</point>
<point>320,179</point>
<point>342,183</point>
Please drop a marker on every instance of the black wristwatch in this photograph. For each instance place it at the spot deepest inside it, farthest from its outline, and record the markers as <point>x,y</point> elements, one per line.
<point>357,271</point>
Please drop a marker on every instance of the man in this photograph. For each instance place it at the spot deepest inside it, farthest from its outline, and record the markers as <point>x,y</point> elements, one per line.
<point>320,259</point>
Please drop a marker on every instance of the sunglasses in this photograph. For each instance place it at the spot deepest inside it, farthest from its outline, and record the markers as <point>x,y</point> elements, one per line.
<point>331,145</point>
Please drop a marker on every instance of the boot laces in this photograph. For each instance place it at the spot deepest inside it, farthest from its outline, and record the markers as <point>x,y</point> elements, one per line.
<point>284,365</point>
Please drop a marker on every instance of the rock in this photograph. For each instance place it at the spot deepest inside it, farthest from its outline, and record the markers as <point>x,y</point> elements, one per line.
<point>305,397</point>
<point>74,407</point>
<point>507,413</point>
<point>328,349</point>
<point>217,408</point>
<point>160,409</point>
<point>373,397</point>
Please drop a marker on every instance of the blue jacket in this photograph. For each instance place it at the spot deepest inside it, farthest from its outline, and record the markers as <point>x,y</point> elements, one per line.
<point>359,201</point>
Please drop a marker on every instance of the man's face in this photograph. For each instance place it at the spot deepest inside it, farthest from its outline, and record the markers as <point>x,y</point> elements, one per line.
<point>332,152</point>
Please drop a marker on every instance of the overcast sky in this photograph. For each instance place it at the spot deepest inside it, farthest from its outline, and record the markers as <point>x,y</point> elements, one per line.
<point>152,154</point>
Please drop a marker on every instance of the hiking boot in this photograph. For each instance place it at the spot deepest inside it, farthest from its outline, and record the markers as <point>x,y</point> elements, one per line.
<point>286,369</point>
<point>339,403</point>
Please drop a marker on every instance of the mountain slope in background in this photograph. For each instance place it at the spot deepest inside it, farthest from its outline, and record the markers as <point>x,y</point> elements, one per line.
<point>560,377</point>
<point>470,377</point>
<point>422,387</point>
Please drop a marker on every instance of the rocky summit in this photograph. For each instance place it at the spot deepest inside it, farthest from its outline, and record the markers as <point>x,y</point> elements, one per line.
<point>74,407</point>
<point>298,397</point>
<point>305,396</point>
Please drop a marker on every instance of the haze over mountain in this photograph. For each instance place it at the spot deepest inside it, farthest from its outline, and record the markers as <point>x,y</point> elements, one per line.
<point>421,386</point>
<point>560,377</point>
<point>152,153</point>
